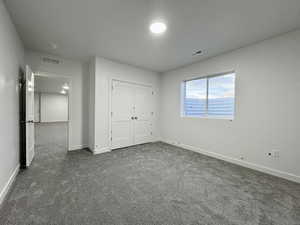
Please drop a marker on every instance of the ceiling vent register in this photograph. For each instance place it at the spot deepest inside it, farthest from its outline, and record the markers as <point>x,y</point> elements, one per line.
<point>50,60</point>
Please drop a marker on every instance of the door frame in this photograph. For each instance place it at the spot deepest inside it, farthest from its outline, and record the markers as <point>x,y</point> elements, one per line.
<point>55,75</point>
<point>22,117</point>
<point>110,83</point>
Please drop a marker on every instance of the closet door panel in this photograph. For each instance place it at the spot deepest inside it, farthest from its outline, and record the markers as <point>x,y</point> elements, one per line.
<point>122,113</point>
<point>143,105</point>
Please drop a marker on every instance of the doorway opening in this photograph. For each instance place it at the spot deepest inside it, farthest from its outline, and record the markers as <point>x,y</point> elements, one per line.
<point>51,114</point>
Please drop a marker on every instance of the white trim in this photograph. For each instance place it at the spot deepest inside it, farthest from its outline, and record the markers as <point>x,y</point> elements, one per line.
<point>131,82</point>
<point>274,172</point>
<point>77,147</point>
<point>209,117</point>
<point>211,75</point>
<point>110,86</point>
<point>8,185</point>
<point>100,150</point>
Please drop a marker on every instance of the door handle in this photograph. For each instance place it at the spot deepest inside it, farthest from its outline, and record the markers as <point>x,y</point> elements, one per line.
<point>30,121</point>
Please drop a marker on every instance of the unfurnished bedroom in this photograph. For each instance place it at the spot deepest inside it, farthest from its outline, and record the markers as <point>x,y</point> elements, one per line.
<point>149,112</point>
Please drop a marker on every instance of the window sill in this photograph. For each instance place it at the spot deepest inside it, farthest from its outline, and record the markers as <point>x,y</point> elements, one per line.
<point>208,117</point>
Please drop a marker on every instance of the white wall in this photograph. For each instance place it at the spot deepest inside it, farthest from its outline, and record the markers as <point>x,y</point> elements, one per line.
<point>104,71</point>
<point>11,58</point>
<point>267,107</point>
<point>46,84</point>
<point>37,117</point>
<point>54,108</point>
<point>77,72</point>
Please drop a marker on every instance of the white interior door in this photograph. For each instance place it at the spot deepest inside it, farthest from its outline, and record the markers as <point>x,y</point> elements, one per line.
<point>131,118</point>
<point>122,115</point>
<point>29,116</point>
<point>143,114</point>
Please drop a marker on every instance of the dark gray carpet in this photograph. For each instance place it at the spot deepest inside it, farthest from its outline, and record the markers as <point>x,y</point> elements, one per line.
<point>146,185</point>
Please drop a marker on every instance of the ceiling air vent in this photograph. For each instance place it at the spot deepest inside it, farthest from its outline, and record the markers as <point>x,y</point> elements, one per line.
<point>199,52</point>
<point>50,60</point>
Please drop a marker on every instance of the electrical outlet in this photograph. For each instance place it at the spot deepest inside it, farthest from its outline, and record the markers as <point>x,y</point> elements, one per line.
<point>274,154</point>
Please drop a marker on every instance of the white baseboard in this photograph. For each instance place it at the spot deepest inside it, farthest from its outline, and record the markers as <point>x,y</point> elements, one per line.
<point>94,151</point>
<point>77,147</point>
<point>8,184</point>
<point>97,151</point>
<point>274,172</point>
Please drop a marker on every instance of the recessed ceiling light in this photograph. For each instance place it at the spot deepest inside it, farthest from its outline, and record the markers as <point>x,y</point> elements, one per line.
<point>158,28</point>
<point>66,86</point>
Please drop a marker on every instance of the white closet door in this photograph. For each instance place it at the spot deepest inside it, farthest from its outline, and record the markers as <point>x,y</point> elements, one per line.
<point>122,113</point>
<point>143,105</point>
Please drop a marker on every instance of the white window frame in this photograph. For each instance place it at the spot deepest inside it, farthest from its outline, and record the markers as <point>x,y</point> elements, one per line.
<point>183,93</point>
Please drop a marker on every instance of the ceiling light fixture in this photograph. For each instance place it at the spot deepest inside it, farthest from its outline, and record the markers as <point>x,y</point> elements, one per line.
<point>63,92</point>
<point>66,86</point>
<point>158,28</point>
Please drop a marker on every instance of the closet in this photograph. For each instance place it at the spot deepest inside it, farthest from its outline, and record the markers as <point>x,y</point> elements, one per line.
<point>131,114</point>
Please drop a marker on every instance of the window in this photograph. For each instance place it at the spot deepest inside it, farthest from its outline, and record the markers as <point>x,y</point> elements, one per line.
<point>211,96</point>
